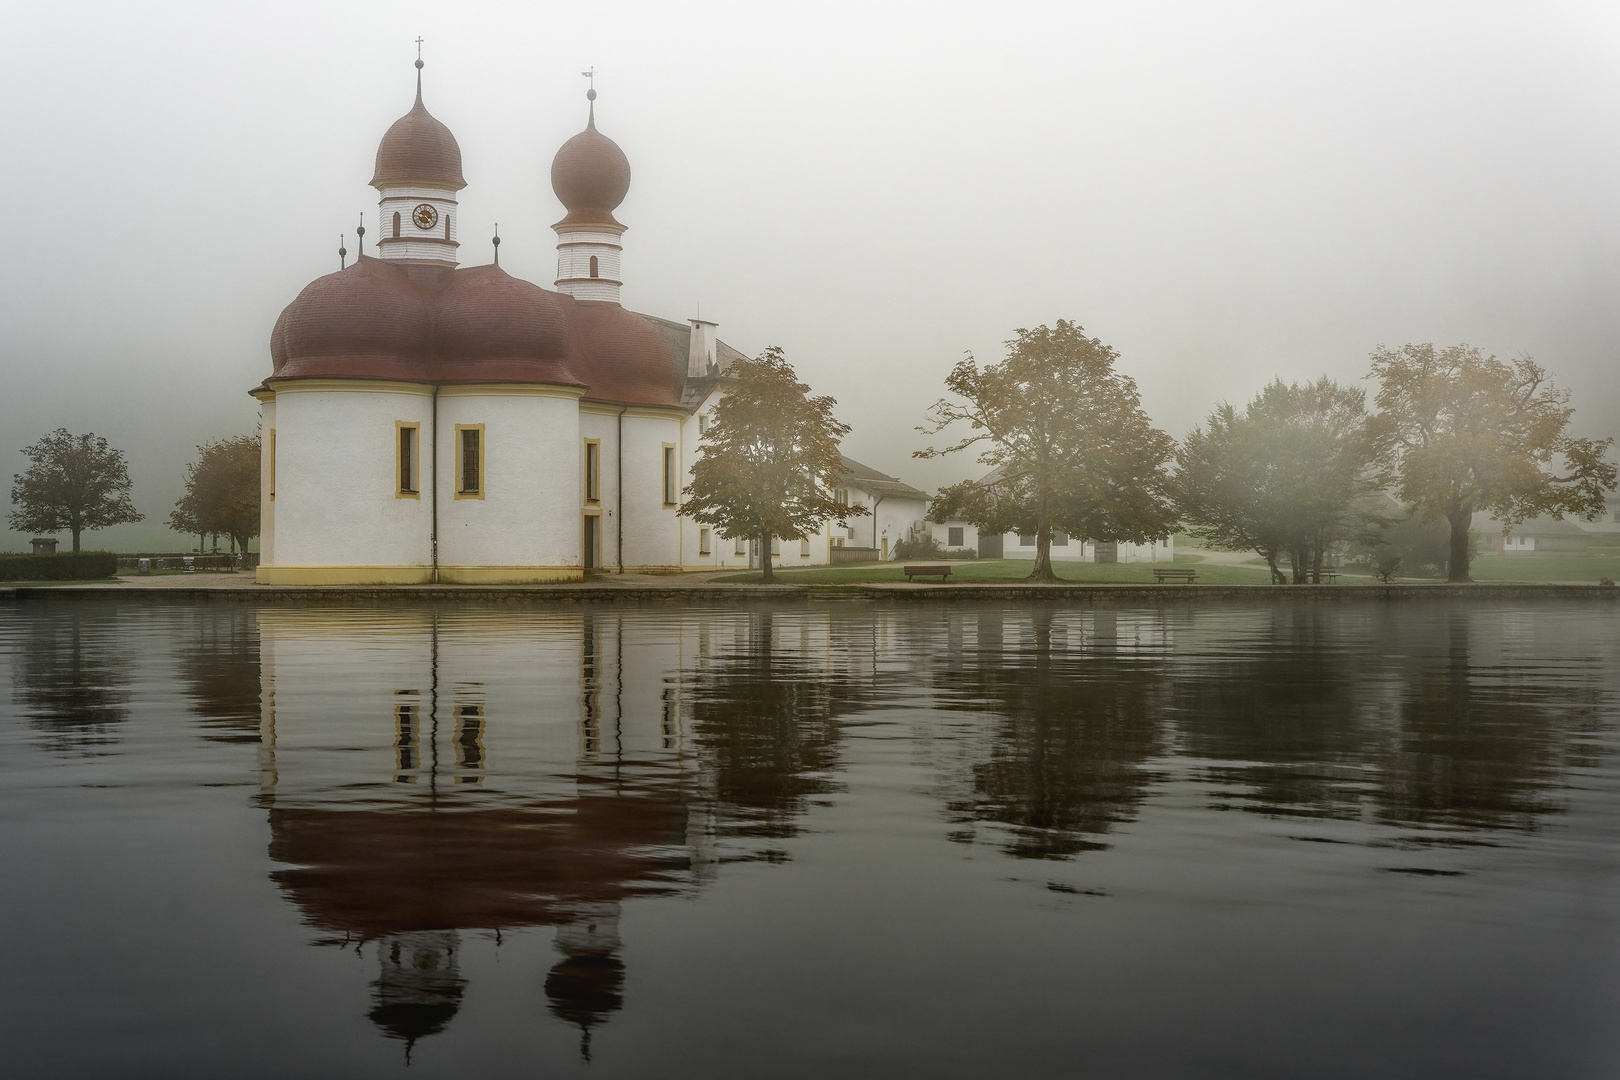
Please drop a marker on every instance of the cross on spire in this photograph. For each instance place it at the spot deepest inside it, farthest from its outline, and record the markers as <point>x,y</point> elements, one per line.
<point>419,46</point>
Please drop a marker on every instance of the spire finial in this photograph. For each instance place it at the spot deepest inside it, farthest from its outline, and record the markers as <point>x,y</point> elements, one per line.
<point>360,236</point>
<point>590,96</point>
<point>419,69</point>
<point>343,252</point>
<point>497,242</point>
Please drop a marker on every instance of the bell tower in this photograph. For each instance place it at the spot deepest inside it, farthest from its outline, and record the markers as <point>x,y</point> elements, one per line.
<point>591,177</point>
<point>418,175</point>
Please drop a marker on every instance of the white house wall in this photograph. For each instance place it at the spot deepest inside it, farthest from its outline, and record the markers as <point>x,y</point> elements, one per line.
<point>1078,550</point>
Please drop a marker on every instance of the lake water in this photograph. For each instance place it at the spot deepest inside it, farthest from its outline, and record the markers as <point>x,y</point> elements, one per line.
<point>1281,840</point>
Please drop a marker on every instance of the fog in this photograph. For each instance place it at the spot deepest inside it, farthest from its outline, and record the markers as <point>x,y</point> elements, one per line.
<point>1223,193</point>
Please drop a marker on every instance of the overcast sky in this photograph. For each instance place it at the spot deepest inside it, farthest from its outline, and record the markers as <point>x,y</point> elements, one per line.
<point>1222,192</point>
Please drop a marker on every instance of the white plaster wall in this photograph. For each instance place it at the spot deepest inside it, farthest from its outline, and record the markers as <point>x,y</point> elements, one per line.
<point>336,501</point>
<point>652,531</point>
<point>1078,550</point>
<point>529,515</point>
<point>892,517</point>
<point>574,250</point>
<point>267,503</point>
<point>405,200</point>
<point>602,426</point>
<point>970,534</point>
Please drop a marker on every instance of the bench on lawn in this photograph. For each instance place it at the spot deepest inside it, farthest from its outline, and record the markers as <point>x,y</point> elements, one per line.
<point>941,570</point>
<point>1329,575</point>
<point>1164,573</point>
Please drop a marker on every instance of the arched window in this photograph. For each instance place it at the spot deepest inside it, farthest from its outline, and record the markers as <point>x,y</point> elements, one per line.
<point>396,224</point>
<point>447,226</point>
<point>593,266</point>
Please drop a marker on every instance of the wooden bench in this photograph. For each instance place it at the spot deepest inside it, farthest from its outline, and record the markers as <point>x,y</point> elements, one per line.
<point>1164,573</point>
<point>1329,575</point>
<point>940,570</point>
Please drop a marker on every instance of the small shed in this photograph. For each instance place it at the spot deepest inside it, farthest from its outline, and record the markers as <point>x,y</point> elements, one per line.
<point>1538,536</point>
<point>44,545</point>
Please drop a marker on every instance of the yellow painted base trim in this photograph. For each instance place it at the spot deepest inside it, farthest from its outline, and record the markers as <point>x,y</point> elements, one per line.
<point>344,575</point>
<point>417,575</point>
<point>508,575</point>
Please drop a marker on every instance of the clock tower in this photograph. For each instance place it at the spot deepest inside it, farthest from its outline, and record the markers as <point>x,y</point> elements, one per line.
<point>418,174</point>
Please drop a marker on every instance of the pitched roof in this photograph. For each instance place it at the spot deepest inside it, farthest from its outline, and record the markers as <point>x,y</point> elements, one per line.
<point>1540,526</point>
<point>678,337</point>
<point>870,480</point>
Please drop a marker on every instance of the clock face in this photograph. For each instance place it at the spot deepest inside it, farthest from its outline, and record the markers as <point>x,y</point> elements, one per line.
<point>425,216</point>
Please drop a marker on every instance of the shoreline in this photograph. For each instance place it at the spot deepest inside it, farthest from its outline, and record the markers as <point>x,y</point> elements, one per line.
<point>656,590</point>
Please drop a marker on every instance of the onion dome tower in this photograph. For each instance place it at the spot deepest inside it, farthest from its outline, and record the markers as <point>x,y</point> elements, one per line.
<point>418,173</point>
<point>591,176</point>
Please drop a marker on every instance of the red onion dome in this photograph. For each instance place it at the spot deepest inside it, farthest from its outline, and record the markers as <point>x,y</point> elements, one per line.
<point>621,356</point>
<point>367,321</point>
<point>590,175</point>
<point>490,326</point>
<point>419,150</point>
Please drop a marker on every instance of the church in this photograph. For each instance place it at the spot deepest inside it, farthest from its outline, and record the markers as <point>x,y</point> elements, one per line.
<point>431,422</point>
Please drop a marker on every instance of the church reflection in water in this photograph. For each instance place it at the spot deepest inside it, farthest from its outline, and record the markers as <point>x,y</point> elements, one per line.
<point>434,773</point>
<point>430,772</point>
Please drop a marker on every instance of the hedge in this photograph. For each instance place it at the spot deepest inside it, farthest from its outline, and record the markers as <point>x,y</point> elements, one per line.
<point>66,566</point>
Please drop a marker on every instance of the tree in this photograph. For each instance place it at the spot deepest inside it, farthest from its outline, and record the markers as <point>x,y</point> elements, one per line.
<point>769,461</point>
<point>1067,439</point>
<point>1293,474</point>
<point>1463,432</point>
<point>222,491</point>
<point>73,482</point>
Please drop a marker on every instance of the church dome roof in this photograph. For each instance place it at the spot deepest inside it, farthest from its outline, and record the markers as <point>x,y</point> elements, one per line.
<point>590,175</point>
<point>367,320</point>
<point>488,325</point>
<point>620,355</point>
<point>419,149</point>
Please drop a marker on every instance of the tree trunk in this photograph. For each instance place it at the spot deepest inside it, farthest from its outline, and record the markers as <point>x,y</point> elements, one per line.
<point>1043,555</point>
<point>1457,565</point>
<point>765,557</point>
<point>76,530</point>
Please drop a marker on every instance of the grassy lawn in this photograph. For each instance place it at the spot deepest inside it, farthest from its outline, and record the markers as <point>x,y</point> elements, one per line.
<point>1590,567</point>
<point>1008,570</point>
<point>47,584</point>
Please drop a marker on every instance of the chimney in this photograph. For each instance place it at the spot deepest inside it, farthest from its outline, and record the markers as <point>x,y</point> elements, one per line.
<point>701,358</point>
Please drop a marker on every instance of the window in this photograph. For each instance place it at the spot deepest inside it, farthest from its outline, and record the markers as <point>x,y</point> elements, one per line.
<point>469,461</point>
<point>837,541</point>
<point>396,224</point>
<point>407,466</point>
<point>447,226</point>
<point>953,536</point>
<point>1060,538</point>
<point>273,466</point>
<point>776,545</point>
<point>841,496</point>
<point>593,266</point>
<point>742,545</point>
<point>704,542</point>
<point>1026,539</point>
<point>703,428</point>
<point>669,474</point>
<point>593,470</point>
<point>804,547</point>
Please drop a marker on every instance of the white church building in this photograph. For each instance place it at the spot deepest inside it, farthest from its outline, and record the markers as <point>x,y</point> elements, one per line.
<point>431,422</point>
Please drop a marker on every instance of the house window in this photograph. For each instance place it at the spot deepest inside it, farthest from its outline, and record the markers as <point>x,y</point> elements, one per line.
<point>837,541</point>
<point>703,426</point>
<point>447,226</point>
<point>704,542</point>
<point>407,459</point>
<point>593,470</point>
<point>1060,538</point>
<point>273,466</point>
<point>1026,539</point>
<point>841,496</point>
<point>396,224</point>
<point>469,461</point>
<point>804,547</point>
<point>953,536</point>
<point>593,266</point>
<point>669,474</point>
<point>776,545</point>
<point>742,545</point>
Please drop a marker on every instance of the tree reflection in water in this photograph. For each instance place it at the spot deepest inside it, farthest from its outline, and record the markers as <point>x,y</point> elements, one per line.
<point>1072,722</point>
<point>217,659</point>
<point>71,678</point>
